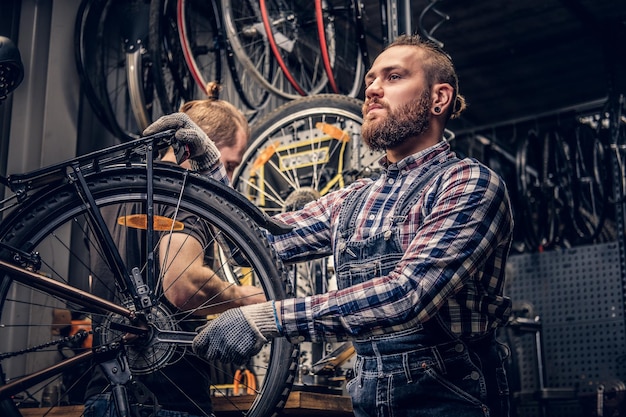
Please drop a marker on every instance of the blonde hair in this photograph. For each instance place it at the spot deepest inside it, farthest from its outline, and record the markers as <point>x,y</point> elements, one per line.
<point>219,119</point>
<point>438,67</point>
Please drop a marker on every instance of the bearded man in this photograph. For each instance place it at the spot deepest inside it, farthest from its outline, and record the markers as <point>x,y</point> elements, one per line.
<point>419,254</point>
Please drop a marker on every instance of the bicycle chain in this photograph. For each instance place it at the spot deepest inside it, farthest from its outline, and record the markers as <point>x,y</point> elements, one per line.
<point>76,338</point>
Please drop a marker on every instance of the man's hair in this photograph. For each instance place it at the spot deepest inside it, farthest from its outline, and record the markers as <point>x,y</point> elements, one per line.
<point>438,67</point>
<point>219,119</point>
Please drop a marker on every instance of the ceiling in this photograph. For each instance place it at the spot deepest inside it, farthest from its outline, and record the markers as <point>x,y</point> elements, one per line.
<point>519,59</point>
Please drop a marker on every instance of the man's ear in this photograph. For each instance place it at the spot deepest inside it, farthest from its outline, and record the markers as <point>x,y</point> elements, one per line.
<point>441,98</point>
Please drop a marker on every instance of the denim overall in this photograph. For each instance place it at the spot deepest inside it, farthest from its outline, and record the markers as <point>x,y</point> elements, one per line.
<point>426,370</point>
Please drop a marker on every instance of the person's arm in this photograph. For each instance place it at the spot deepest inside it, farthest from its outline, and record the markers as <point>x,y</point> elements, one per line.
<point>217,170</point>
<point>204,157</point>
<point>189,284</point>
<point>467,224</point>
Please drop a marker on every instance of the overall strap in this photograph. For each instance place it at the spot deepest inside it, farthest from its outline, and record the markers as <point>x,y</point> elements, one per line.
<point>414,193</point>
<point>353,204</point>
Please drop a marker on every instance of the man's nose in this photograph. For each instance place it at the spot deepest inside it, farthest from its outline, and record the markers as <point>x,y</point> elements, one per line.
<point>374,89</point>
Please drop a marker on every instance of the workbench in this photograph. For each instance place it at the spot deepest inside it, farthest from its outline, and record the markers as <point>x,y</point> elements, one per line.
<point>299,403</point>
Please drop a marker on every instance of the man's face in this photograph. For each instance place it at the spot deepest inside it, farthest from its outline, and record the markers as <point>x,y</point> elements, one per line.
<point>231,156</point>
<point>397,100</point>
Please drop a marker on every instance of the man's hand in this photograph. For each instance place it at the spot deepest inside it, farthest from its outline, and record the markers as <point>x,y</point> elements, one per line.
<point>203,154</point>
<point>237,334</point>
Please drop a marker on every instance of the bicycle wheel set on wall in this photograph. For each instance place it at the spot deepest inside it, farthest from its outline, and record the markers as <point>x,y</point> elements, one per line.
<point>564,187</point>
<point>140,59</point>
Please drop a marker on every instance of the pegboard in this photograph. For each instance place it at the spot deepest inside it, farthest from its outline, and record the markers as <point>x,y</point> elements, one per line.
<point>578,295</point>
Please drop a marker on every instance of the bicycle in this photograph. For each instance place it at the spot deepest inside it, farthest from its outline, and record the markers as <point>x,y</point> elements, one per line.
<point>54,212</point>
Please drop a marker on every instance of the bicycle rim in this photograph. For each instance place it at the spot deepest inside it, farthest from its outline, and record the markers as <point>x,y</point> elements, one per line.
<point>291,30</point>
<point>56,225</point>
<point>308,144</point>
<point>123,75</point>
<point>339,28</point>
<point>173,82</point>
<point>246,37</point>
<point>592,178</point>
<point>199,36</point>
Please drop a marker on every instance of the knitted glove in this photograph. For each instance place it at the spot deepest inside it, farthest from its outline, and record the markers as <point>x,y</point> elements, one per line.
<point>203,154</point>
<point>238,333</point>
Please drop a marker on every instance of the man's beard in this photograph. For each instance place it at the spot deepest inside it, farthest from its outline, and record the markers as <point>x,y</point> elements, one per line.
<point>409,120</point>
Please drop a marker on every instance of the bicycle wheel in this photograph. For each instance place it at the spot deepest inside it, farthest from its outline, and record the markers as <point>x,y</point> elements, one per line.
<point>344,54</point>
<point>303,148</point>
<point>59,224</point>
<point>246,37</point>
<point>86,53</point>
<point>123,75</point>
<point>200,26</point>
<point>118,65</point>
<point>199,36</point>
<point>545,186</point>
<point>172,79</point>
<point>591,182</point>
<point>291,30</point>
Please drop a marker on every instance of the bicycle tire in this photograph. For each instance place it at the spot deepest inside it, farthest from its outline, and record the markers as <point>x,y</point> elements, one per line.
<point>291,130</point>
<point>291,29</point>
<point>85,54</point>
<point>172,80</point>
<point>125,86</point>
<point>533,202</point>
<point>545,185</point>
<point>81,40</point>
<point>199,37</point>
<point>47,219</point>
<point>591,182</point>
<point>345,54</point>
<point>201,18</point>
<point>252,93</point>
<point>244,30</point>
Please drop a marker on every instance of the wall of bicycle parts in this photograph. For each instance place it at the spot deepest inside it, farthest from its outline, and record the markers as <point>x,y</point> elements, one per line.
<point>566,272</point>
<point>566,268</point>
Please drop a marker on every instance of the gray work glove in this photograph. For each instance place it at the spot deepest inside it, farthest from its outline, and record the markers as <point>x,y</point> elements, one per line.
<point>203,154</point>
<point>237,334</point>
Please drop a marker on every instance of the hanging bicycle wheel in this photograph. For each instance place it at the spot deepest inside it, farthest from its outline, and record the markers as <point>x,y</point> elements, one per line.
<point>591,182</point>
<point>88,40</point>
<point>86,55</point>
<point>252,93</point>
<point>41,339</point>
<point>126,83</point>
<point>545,186</point>
<point>199,37</point>
<point>305,148</point>
<point>203,39</point>
<point>292,32</point>
<point>345,54</point>
<point>172,78</point>
<point>244,30</point>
